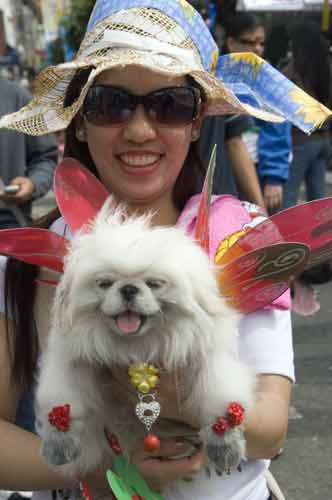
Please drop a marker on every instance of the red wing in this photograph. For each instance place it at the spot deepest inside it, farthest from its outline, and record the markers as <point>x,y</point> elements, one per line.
<point>34,246</point>
<point>202,224</point>
<point>258,278</point>
<point>80,195</point>
<point>309,223</point>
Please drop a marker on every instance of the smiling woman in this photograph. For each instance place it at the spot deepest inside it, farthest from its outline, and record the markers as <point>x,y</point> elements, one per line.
<point>171,116</point>
<point>131,103</point>
<point>140,152</point>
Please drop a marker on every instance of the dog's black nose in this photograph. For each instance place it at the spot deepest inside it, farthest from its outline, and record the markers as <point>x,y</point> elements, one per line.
<point>129,291</point>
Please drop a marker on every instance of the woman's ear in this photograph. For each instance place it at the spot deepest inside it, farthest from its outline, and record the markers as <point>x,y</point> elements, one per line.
<point>196,128</point>
<point>80,130</point>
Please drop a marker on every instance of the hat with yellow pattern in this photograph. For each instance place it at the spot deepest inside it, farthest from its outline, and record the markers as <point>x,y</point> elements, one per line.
<point>168,37</point>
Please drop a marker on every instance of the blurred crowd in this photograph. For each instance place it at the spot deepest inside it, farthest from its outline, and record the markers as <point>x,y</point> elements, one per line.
<point>284,158</point>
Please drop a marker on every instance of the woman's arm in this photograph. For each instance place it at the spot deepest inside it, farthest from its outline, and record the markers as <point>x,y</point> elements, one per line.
<point>244,171</point>
<point>266,344</point>
<point>21,466</point>
<point>266,426</point>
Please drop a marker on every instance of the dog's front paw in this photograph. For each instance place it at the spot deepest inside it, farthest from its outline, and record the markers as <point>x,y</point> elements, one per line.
<point>59,448</point>
<point>226,451</point>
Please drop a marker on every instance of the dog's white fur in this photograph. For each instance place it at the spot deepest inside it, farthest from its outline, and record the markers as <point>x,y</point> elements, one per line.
<point>188,325</point>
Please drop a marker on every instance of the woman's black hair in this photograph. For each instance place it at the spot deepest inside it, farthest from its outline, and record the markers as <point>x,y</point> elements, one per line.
<point>311,59</point>
<point>20,278</point>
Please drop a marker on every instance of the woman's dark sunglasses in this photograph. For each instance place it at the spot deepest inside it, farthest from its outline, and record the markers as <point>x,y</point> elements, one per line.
<point>173,106</point>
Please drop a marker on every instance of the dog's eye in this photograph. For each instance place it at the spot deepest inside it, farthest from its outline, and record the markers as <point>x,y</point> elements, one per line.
<point>155,283</point>
<point>104,283</point>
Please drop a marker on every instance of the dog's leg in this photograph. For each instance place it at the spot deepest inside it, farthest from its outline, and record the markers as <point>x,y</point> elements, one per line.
<point>64,383</point>
<point>223,380</point>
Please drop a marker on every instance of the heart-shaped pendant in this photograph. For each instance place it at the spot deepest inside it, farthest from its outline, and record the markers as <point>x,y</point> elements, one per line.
<point>147,410</point>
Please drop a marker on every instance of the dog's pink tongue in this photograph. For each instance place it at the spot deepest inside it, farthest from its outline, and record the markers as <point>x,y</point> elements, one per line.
<point>128,322</point>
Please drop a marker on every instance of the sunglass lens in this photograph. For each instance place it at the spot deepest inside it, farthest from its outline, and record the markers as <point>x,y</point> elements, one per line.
<point>176,106</point>
<point>107,105</point>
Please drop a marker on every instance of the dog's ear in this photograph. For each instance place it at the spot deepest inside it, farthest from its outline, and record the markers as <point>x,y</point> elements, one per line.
<point>206,293</point>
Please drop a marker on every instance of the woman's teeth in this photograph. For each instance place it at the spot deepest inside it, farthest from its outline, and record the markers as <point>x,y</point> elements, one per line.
<point>144,160</point>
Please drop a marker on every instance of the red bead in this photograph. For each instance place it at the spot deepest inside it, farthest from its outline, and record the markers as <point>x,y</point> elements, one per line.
<point>151,443</point>
<point>235,414</point>
<point>221,426</point>
<point>59,417</point>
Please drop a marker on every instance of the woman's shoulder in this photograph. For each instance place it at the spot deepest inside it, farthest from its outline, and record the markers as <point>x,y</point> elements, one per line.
<point>227,215</point>
<point>220,206</point>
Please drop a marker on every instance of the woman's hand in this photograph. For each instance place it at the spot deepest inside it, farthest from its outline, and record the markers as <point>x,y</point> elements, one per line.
<point>273,195</point>
<point>161,468</point>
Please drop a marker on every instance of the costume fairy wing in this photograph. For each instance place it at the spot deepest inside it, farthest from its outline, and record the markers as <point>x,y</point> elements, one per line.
<point>80,196</point>
<point>78,192</point>
<point>34,246</point>
<point>309,223</point>
<point>202,223</point>
<point>257,278</point>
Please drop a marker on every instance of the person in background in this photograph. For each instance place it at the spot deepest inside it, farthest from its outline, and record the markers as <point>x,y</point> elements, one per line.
<point>269,143</point>
<point>26,163</point>
<point>277,45</point>
<point>310,153</point>
<point>235,171</point>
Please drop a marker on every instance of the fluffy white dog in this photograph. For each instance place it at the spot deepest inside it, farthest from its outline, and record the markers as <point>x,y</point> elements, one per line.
<point>135,293</point>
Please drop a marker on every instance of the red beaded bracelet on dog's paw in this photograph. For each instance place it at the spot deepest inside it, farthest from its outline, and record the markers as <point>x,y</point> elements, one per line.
<point>234,417</point>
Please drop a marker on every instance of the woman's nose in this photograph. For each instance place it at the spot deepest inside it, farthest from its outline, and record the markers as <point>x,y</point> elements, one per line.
<point>139,128</point>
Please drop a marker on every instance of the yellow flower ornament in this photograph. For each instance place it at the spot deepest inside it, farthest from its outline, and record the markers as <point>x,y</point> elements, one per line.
<point>143,377</point>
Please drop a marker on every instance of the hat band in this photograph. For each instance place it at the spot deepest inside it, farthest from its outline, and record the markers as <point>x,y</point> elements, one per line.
<point>116,39</point>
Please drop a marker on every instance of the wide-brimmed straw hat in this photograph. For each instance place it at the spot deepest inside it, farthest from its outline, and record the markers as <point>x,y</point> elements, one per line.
<point>170,38</point>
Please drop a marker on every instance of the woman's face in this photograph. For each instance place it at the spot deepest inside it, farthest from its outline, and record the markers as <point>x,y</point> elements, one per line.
<point>139,160</point>
<point>248,41</point>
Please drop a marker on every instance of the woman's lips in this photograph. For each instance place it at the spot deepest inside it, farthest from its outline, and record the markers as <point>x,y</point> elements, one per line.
<point>139,163</point>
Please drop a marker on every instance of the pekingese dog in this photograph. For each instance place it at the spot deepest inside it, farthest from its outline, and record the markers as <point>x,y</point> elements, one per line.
<point>134,293</point>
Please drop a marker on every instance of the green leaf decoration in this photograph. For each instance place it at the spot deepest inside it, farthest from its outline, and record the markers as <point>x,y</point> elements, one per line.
<point>128,482</point>
<point>119,487</point>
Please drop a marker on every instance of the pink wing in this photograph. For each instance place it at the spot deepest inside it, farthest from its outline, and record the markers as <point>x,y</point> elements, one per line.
<point>309,223</point>
<point>78,192</point>
<point>34,246</point>
<point>259,277</point>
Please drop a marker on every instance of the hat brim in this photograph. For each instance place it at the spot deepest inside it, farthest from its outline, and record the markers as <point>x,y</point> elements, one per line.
<point>46,112</point>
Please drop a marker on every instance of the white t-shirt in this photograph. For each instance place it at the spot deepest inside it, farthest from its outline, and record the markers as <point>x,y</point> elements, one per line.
<point>265,341</point>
